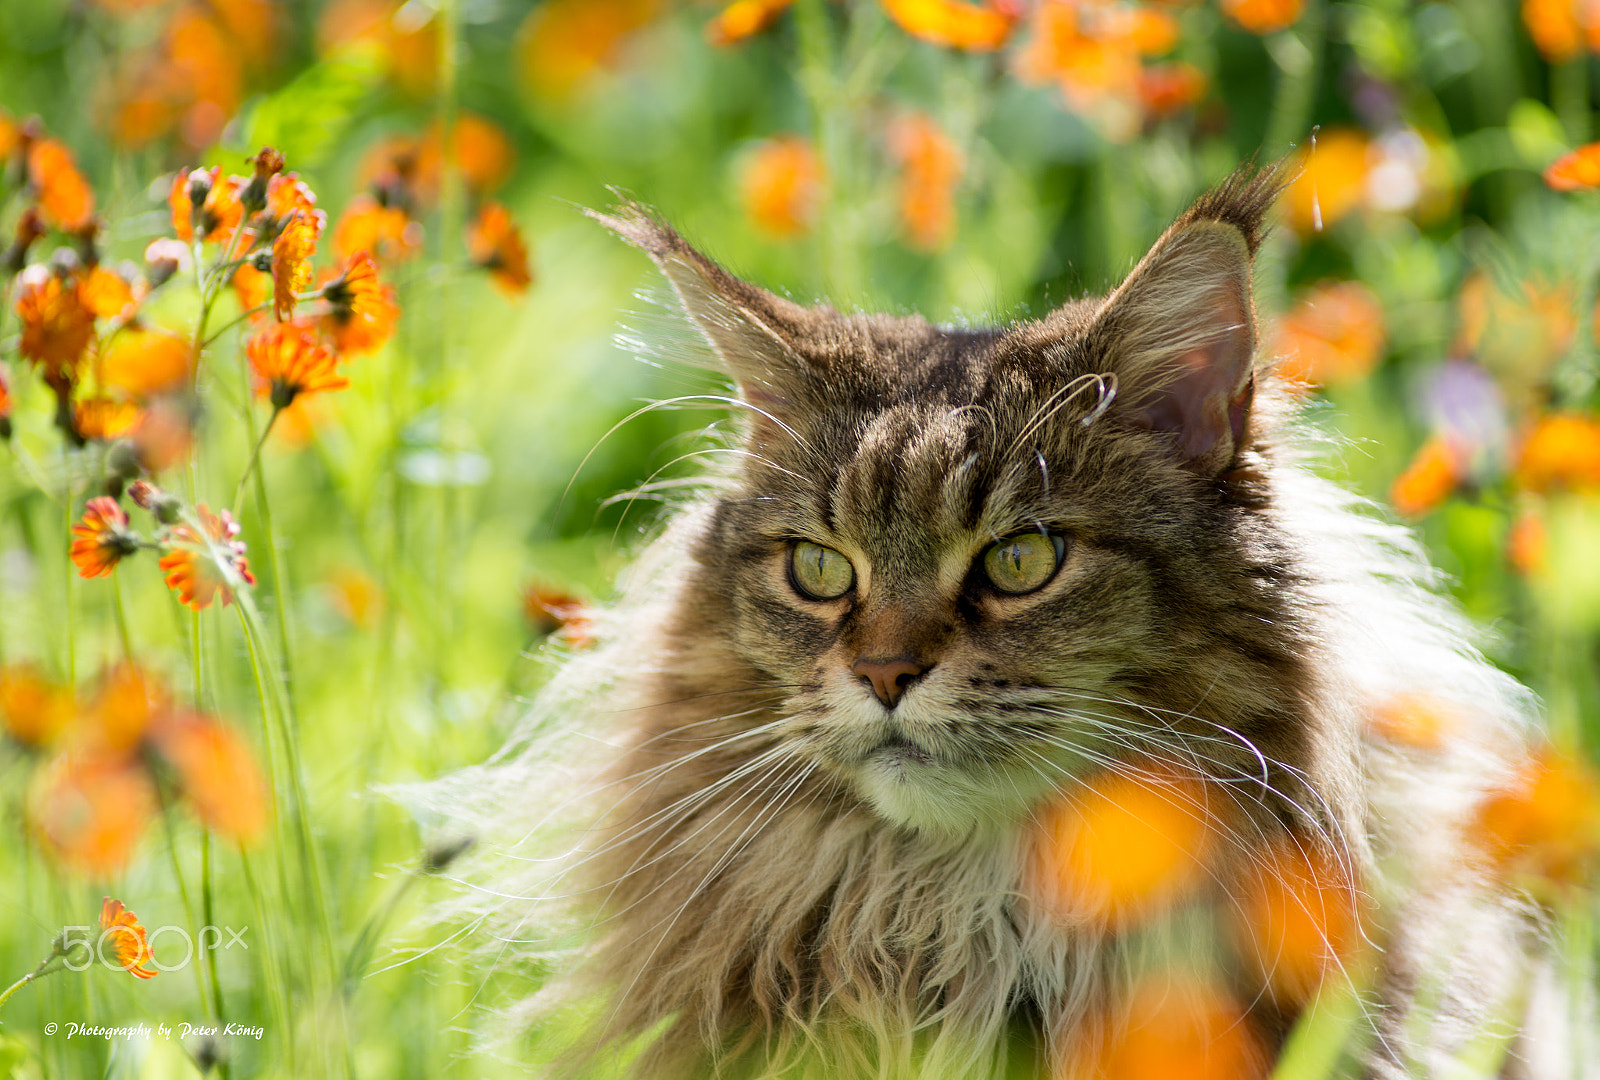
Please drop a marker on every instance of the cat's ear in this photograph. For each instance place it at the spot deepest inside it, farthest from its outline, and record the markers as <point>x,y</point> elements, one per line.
<point>1179,333</point>
<point>755,334</point>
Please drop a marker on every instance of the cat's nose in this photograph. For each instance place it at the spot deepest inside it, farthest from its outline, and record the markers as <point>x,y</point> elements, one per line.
<point>888,678</point>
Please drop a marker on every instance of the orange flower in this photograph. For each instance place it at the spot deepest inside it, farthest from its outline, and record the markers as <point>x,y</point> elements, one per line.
<point>61,191</point>
<point>145,360</point>
<point>288,361</point>
<point>744,19</point>
<point>1418,721</point>
<point>102,539</point>
<point>1554,27</point>
<point>1172,1027</point>
<point>207,560</point>
<point>120,928</point>
<point>1430,478</point>
<point>782,185</point>
<point>1579,169</point>
<point>494,243</point>
<point>5,406</point>
<point>355,595</point>
<point>385,231</point>
<point>291,263</point>
<point>1332,180</point>
<point>1126,847</point>
<point>1168,89</point>
<point>1562,451</point>
<point>1263,16</point>
<point>1544,825</point>
<point>90,810</point>
<point>1299,920</point>
<point>57,328</point>
<point>166,435</point>
<point>930,167</point>
<point>107,294</point>
<point>952,23</point>
<point>288,197</point>
<point>1517,334</point>
<point>220,209</point>
<point>1094,53</point>
<point>253,288</point>
<point>477,147</point>
<point>105,418</point>
<point>1527,544</point>
<point>362,312</point>
<point>554,611</point>
<point>33,710</point>
<point>563,43</point>
<point>217,773</point>
<point>1334,335</point>
<point>128,705</point>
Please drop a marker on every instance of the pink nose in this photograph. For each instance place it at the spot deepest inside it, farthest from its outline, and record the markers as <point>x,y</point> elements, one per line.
<point>889,678</point>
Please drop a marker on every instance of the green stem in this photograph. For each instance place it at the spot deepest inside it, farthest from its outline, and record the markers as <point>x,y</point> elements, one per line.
<point>183,892</point>
<point>122,615</point>
<point>208,910</point>
<point>231,323</point>
<point>249,467</point>
<point>18,985</point>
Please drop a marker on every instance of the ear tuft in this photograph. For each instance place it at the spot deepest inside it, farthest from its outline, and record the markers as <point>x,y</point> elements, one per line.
<point>757,336</point>
<point>1242,200</point>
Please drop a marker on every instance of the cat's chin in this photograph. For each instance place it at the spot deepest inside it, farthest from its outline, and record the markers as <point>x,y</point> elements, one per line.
<point>909,787</point>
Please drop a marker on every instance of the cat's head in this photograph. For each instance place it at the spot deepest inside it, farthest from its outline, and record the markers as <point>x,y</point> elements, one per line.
<point>971,562</point>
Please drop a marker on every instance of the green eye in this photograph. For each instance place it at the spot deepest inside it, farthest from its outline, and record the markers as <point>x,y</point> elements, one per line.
<point>1023,563</point>
<point>820,573</point>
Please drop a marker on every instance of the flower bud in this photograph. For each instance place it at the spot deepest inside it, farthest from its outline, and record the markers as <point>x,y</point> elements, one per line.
<point>267,164</point>
<point>262,261</point>
<point>165,508</point>
<point>163,258</point>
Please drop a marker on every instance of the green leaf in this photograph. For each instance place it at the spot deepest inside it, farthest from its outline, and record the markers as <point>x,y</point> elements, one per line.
<point>306,117</point>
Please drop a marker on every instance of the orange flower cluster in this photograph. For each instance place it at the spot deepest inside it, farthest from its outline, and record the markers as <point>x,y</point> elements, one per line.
<point>1128,847</point>
<point>206,559</point>
<point>1579,169</point>
<point>1149,844</point>
<point>1263,16</point>
<point>1562,29</point>
<point>954,24</point>
<point>562,45</point>
<point>1433,474</point>
<point>202,559</point>
<point>1561,452</point>
<point>1096,52</point>
<point>554,612</point>
<point>81,326</point>
<point>744,19</point>
<point>404,36</point>
<point>1334,335</point>
<point>1542,828</point>
<point>1342,171</point>
<point>118,756</point>
<point>404,174</point>
<point>191,78</point>
<point>129,943</point>
<point>1170,1026</point>
<point>782,185</point>
<point>931,166</point>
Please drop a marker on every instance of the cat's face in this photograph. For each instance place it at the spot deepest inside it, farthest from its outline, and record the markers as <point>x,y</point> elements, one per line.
<point>973,563</point>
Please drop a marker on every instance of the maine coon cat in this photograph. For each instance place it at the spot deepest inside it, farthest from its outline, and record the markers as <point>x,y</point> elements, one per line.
<point>809,808</point>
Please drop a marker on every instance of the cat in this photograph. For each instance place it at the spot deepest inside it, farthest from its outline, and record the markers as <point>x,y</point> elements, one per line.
<point>956,586</point>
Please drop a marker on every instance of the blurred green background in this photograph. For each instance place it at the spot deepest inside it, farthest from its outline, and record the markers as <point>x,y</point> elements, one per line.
<point>1432,290</point>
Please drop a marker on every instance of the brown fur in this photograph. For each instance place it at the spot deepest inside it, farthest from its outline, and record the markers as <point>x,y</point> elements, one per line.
<point>787,878</point>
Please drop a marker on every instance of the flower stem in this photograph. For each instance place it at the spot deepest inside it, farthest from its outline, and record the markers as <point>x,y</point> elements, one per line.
<point>122,615</point>
<point>238,493</point>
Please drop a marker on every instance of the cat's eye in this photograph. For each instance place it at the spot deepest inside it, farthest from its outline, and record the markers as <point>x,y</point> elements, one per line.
<point>818,572</point>
<point>1023,563</point>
